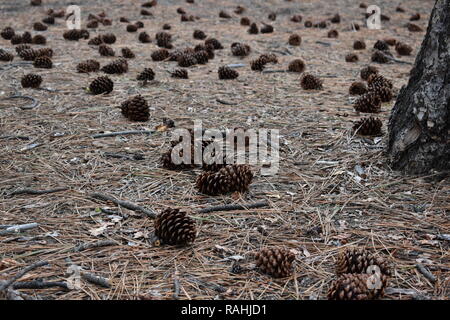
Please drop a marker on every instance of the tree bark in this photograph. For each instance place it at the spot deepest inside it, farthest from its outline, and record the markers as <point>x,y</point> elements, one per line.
<point>419,125</point>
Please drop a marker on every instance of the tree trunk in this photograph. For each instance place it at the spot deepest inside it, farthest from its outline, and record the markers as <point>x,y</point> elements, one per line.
<point>419,126</point>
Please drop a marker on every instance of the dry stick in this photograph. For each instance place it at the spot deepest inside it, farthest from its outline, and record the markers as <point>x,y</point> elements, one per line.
<point>36,192</point>
<point>125,204</point>
<point>226,102</point>
<point>427,274</point>
<point>232,207</point>
<point>33,104</point>
<point>86,246</point>
<point>275,71</point>
<point>20,274</point>
<point>121,133</point>
<point>90,277</point>
<point>19,228</point>
<point>394,59</point>
<point>39,284</point>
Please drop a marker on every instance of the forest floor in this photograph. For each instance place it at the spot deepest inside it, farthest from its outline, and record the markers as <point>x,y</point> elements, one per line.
<point>334,190</point>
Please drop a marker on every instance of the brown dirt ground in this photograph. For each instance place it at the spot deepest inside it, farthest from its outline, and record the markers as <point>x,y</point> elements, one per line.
<point>317,204</point>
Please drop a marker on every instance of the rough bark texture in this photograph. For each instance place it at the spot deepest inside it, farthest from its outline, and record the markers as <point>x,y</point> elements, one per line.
<point>420,121</point>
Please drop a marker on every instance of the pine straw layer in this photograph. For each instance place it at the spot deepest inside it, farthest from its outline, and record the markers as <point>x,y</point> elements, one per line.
<point>318,202</point>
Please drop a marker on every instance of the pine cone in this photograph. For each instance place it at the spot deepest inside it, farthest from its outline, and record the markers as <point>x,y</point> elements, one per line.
<point>267,28</point>
<point>351,57</point>
<point>379,80</point>
<point>413,27</point>
<point>174,227</point>
<point>144,37</point>
<point>380,56</point>
<point>415,17</point>
<point>160,55</point>
<point>381,45</point>
<point>39,39</point>
<point>76,34</point>
<point>49,20</point>
<point>224,14</point>
<point>180,74</point>
<point>297,65</point>
<point>226,73</point>
<point>311,82</point>
<point>187,60</point>
<point>35,2</point>
<point>201,57</point>
<point>368,127</point>
<point>295,40</point>
<point>239,10</point>
<point>96,41</point>
<point>336,18</point>
<point>214,43</point>
<point>44,52</point>
<point>245,21</point>
<point>16,39</point>
<point>403,49</point>
<point>355,287</point>
<point>366,72</point>
<point>399,9</point>
<point>253,29</point>
<point>26,37</point>
<point>150,4</point>
<point>199,35</point>
<point>136,109</point>
<point>27,54</point>
<point>116,67</point>
<point>240,50</point>
<point>166,26</point>
<point>357,88</point>
<point>269,58</point>
<point>88,66</point>
<point>368,103</point>
<point>43,62</point>
<point>228,179</point>
<point>101,85</point>
<point>127,53</point>
<point>167,163</point>
<point>333,34</point>
<point>145,12</point>
<point>132,28</point>
<point>164,40</point>
<point>22,47</point>
<point>296,18</point>
<point>146,75</point>
<point>359,45</point>
<point>272,16</point>
<point>31,80</point>
<point>6,56</point>
<point>106,51</point>
<point>258,64</point>
<point>123,19</point>
<point>384,93</point>
<point>108,38</point>
<point>7,33</point>
<point>321,25</point>
<point>92,24</point>
<point>275,262</point>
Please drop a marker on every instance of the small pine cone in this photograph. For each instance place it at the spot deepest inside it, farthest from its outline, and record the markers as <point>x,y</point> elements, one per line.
<point>239,49</point>
<point>49,20</point>
<point>201,57</point>
<point>7,33</point>
<point>359,45</point>
<point>380,56</point>
<point>147,75</point>
<point>27,38</point>
<point>311,82</point>
<point>275,262</point>
<point>267,28</point>
<point>150,4</point>
<point>228,179</point>
<point>245,21</point>
<point>96,41</point>
<point>333,34</point>
<point>27,54</point>
<point>76,34</point>
<point>160,55</point>
<point>6,56</point>
<point>351,57</point>
<point>35,2</point>
<point>226,73</point>
<point>199,35</point>
<point>39,39</point>
<point>224,14</point>
<point>391,41</point>
<point>239,10</point>
<point>127,53</point>
<point>357,260</point>
<point>414,27</point>
<point>213,42</point>
<point>167,163</point>
<point>379,80</point>
<point>92,24</point>
<point>101,85</point>
<point>123,19</point>
<point>43,62</point>
<point>321,25</point>
<point>258,64</point>
<point>296,18</point>
<point>368,103</point>
<point>108,38</point>
<point>336,18</point>
<point>181,11</point>
<point>166,26</point>
<point>132,28</point>
<point>180,74</point>
<point>368,127</point>
<point>16,39</point>
<point>272,16</point>
<point>145,12</point>
<point>44,52</point>
<point>106,22</point>
<point>381,45</point>
<point>355,287</point>
<point>144,37</point>
<point>164,42</point>
<point>22,47</point>
<point>116,67</point>
<point>31,80</point>
<point>295,40</point>
<point>253,29</point>
<point>88,66</point>
<point>358,88</point>
<point>297,65</point>
<point>106,51</point>
<point>136,109</point>
<point>415,17</point>
<point>399,9</point>
<point>174,227</point>
<point>403,49</point>
<point>139,24</point>
<point>269,58</point>
<point>187,60</point>
<point>366,72</point>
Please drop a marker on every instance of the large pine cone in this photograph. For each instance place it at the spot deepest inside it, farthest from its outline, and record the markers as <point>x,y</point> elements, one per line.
<point>106,51</point>
<point>355,287</point>
<point>381,45</point>
<point>146,75</point>
<point>228,179</point>
<point>31,80</point>
<point>109,38</point>
<point>43,62</point>
<point>187,60</point>
<point>356,260</point>
<point>239,49</point>
<point>368,127</point>
<point>275,262</point>
<point>174,227</point>
<point>311,82</point>
<point>88,66</point>
<point>368,103</point>
<point>7,33</point>
<point>226,73</point>
<point>380,81</point>
<point>294,40</point>
<point>160,55</point>
<point>16,39</point>
<point>384,93</point>
<point>136,109</point>
<point>164,40</point>
<point>101,85</point>
<point>27,38</point>
<point>116,67</point>
<point>202,57</point>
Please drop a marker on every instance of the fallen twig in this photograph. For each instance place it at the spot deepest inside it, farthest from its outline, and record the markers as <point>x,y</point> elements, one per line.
<point>125,204</point>
<point>121,133</point>
<point>86,246</point>
<point>226,102</point>
<point>275,71</point>
<point>40,284</point>
<point>18,228</point>
<point>34,102</point>
<point>426,273</point>
<point>92,278</point>
<point>37,192</point>
<point>6,284</point>
<point>232,207</point>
